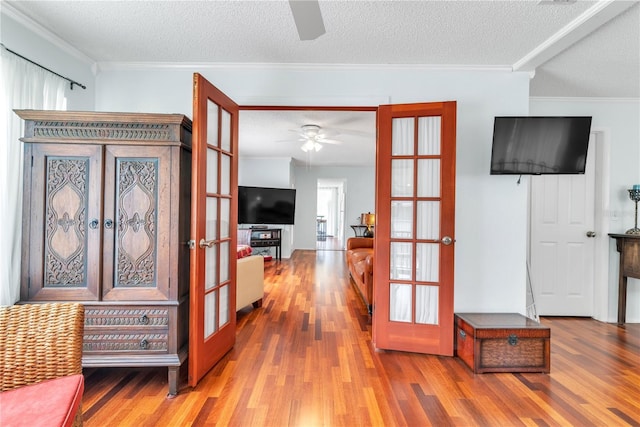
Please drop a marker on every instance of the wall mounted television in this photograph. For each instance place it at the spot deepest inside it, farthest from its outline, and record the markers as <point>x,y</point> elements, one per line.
<point>540,145</point>
<point>262,205</point>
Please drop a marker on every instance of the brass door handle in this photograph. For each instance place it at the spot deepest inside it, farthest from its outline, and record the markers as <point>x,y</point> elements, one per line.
<point>206,243</point>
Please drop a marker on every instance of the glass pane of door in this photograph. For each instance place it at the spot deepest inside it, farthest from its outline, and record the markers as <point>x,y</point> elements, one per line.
<point>401,178</point>
<point>427,262</point>
<point>400,302</point>
<point>427,304</point>
<point>401,261</point>
<point>428,220</point>
<point>428,178</point>
<point>429,131</point>
<point>211,268</point>
<point>225,134</point>
<point>402,142</point>
<point>402,219</point>
<point>210,323</point>
<point>212,171</point>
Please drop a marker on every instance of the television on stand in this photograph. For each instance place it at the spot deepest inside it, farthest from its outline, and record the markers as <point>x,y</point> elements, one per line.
<point>266,206</point>
<point>540,145</point>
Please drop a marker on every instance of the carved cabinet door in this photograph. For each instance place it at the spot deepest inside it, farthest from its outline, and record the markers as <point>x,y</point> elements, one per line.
<point>136,223</point>
<point>62,222</point>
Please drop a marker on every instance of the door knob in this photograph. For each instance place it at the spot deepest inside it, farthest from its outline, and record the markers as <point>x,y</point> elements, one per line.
<point>591,234</point>
<point>206,243</point>
<point>446,240</point>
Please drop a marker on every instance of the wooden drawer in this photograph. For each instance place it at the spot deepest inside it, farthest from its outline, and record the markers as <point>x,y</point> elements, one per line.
<point>126,329</point>
<point>115,341</point>
<point>502,342</point>
<point>123,316</point>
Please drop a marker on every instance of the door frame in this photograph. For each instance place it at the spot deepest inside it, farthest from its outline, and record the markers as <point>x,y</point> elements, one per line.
<point>340,184</point>
<point>357,108</point>
<point>602,178</point>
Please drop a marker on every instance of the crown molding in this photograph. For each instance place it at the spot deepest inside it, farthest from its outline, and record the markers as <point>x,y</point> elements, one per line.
<point>584,99</point>
<point>30,24</point>
<point>104,66</point>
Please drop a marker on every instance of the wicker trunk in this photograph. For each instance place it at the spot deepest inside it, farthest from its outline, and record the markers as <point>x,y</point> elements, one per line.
<point>502,342</point>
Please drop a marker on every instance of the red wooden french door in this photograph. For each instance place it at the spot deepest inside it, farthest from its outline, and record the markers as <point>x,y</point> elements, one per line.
<point>214,186</point>
<point>415,226</point>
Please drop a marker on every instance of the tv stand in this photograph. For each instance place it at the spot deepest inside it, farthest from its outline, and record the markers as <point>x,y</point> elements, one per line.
<point>263,237</point>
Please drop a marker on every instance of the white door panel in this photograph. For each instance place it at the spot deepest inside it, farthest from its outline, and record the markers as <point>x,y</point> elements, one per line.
<point>562,256</point>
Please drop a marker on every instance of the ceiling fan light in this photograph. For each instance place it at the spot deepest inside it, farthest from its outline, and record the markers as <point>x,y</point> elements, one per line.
<point>317,146</point>
<point>308,146</point>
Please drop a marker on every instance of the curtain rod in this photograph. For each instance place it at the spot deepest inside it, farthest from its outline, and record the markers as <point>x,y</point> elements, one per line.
<point>71,82</point>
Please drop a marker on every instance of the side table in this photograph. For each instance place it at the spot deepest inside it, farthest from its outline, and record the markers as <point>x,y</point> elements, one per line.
<point>629,247</point>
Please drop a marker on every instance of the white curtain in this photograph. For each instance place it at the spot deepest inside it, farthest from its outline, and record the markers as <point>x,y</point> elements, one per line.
<point>23,86</point>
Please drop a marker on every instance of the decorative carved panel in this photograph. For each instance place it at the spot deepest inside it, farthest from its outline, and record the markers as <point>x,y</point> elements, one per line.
<point>52,130</point>
<point>136,210</point>
<point>65,230</point>
<point>124,342</point>
<point>126,317</point>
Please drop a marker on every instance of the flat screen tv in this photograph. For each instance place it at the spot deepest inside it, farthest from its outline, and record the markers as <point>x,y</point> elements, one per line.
<point>260,205</point>
<point>540,145</point>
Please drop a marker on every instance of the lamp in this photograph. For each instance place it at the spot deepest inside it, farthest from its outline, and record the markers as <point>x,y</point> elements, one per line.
<point>634,194</point>
<point>369,220</point>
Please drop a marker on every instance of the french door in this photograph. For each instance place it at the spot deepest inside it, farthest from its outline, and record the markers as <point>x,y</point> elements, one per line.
<point>414,237</point>
<point>212,322</point>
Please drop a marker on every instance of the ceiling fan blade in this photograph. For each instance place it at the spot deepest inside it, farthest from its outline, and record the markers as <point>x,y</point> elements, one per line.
<point>329,141</point>
<point>356,133</point>
<point>308,18</point>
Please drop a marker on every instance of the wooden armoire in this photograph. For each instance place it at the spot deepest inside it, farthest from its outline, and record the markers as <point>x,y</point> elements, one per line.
<point>106,221</point>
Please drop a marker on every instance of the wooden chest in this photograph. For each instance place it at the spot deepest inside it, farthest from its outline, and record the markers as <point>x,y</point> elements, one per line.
<point>502,342</point>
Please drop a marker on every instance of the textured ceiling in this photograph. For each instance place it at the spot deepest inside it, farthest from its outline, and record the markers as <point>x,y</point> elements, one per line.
<point>576,49</point>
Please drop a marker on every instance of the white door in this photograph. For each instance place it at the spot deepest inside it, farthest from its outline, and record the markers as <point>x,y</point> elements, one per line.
<point>562,251</point>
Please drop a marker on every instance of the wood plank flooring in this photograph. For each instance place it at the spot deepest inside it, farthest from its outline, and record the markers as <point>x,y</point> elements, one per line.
<point>305,359</point>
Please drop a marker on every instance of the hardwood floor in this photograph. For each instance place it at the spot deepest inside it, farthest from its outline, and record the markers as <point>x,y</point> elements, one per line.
<point>305,359</point>
<point>330,243</point>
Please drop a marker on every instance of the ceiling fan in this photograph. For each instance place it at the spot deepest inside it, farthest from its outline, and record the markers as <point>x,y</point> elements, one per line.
<point>313,137</point>
<point>308,18</point>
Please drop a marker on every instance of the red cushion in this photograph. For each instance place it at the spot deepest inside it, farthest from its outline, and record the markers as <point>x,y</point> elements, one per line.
<point>244,250</point>
<point>48,403</point>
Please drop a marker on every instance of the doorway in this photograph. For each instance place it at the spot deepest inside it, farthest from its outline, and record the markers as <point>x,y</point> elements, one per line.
<point>330,213</point>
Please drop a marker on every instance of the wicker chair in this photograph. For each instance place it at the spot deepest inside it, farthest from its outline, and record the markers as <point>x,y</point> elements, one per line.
<point>40,342</point>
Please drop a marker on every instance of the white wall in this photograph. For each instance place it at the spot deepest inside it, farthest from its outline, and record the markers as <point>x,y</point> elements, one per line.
<point>360,197</point>
<point>620,120</point>
<point>491,211</point>
<point>265,172</point>
<point>28,39</point>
